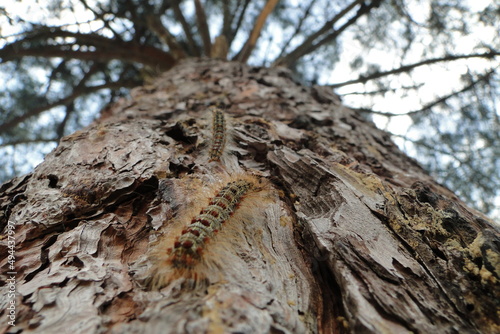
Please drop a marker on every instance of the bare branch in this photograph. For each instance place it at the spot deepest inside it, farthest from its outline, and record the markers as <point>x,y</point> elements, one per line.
<point>363,10</point>
<point>28,141</point>
<point>44,34</point>
<point>234,31</point>
<point>407,68</point>
<point>427,107</point>
<point>101,17</point>
<point>193,48</point>
<point>106,49</point>
<point>58,69</point>
<point>201,19</point>
<point>298,28</point>
<point>65,101</point>
<point>451,153</point>
<point>384,90</point>
<point>227,19</point>
<point>247,49</point>
<point>299,51</point>
<point>70,108</point>
<point>155,25</point>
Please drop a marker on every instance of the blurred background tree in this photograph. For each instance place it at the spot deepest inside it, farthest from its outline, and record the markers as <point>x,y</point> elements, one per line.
<point>424,70</point>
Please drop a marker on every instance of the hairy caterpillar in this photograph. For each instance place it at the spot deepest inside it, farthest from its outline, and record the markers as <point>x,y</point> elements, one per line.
<point>188,248</point>
<point>219,134</point>
<point>196,244</point>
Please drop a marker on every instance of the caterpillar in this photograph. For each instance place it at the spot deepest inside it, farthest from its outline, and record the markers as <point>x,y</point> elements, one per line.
<point>188,248</point>
<point>219,134</point>
<point>195,249</point>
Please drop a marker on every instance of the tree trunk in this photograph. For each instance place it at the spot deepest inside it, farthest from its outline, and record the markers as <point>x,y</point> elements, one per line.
<point>350,234</point>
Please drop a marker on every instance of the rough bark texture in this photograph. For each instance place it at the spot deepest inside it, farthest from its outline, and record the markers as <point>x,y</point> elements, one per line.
<point>355,236</point>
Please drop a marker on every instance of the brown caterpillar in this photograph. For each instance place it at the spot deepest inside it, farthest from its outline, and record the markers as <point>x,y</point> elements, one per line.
<point>194,250</point>
<point>219,134</point>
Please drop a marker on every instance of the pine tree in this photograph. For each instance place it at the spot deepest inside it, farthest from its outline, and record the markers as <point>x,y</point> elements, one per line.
<point>345,234</point>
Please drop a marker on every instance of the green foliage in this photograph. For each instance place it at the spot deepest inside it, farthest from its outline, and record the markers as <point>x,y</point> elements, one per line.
<point>62,61</point>
<point>464,150</point>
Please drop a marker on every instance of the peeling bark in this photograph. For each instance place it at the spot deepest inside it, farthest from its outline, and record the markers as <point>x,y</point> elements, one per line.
<point>355,238</point>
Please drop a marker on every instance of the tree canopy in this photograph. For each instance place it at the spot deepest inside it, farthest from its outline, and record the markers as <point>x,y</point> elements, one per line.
<point>429,67</point>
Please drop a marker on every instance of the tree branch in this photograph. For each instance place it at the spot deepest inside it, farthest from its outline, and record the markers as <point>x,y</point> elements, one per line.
<point>59,69</point>
<point>406,68</point>
<point>363,10</point>
<point>70,108</point>
<point>383,90</point>
<point>65,101</point>
<point>201,19</point>
<point>226,18</point>
<point>301,50</point>
<point>28,141</point>
<point>192,47</point>
<point>297,29</point>
<point>234,31</point>
<point>427,107</point>
<point>247,49</point>
<point>43,34</point>
<point>106,49</point>
<point>434,148</point>
<point>101,17</point>
<point>155,25</point>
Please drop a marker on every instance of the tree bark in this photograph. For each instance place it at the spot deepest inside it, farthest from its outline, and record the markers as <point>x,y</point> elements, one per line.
<point>352,236</point>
